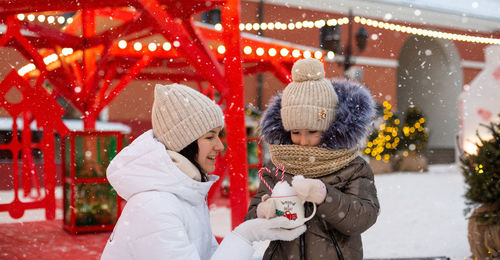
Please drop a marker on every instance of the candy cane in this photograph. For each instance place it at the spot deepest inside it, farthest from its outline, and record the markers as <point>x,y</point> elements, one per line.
<point>282,167</point>
<point>262,179</point>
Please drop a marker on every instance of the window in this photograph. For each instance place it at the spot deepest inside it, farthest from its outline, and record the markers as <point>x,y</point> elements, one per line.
<point>211,16</point>
<point>330,38</point>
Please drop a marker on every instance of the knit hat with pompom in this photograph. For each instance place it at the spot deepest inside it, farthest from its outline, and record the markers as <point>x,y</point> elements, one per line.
<point>308,102</point>
<point>180,115</point>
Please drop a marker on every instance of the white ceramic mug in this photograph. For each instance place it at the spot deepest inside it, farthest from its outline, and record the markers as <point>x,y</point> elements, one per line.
<point>292,207</point>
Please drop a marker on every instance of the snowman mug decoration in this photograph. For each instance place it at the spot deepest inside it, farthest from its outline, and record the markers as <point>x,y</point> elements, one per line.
<point>287,203</point>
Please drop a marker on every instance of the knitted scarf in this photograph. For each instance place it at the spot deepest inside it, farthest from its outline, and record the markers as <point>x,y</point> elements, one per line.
<point>311,161</point>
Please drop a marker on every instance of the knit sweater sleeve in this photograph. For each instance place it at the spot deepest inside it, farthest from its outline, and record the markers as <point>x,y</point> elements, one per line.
<point>354,209</point>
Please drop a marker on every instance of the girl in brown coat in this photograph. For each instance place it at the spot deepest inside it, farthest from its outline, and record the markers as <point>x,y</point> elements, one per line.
<point>314,130</point>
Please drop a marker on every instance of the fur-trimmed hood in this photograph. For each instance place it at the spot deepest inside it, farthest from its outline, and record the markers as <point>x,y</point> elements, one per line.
<point>352,122</point>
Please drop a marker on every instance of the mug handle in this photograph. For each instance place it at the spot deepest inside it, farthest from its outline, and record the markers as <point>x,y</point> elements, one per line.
<point>313,213</point>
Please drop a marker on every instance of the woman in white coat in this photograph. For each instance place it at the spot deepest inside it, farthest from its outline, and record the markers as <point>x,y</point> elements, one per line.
<point>163,176</point>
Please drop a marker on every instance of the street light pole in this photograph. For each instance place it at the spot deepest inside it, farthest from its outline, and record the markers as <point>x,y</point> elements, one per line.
<point>348,49</point>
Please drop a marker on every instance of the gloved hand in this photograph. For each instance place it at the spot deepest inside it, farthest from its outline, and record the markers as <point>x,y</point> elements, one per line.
<point>266,209</point>
<point>313,190</point>
<point>268,229</point>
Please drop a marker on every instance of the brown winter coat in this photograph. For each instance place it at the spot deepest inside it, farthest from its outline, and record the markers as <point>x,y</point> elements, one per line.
<point>351,207</point>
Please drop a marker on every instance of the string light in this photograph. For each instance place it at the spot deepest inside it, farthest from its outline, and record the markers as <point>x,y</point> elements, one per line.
<point>152,46</point>
<point>330,55</point>
<point>318,55</point>
<point>295,53</point>
<point>272,52</point>
<point>49,59</point>
<point>122,44</point>
<point>26,69</point>
<point>247,50</point>
<point>167,46</point>
<point>259,51</point>
<point>137,46</point>
<point>61,19</point>
<point>284,52</point>
<point>318,24</point>
<point>307,54</point>
<point>221,49</point>
<point>67,51</point>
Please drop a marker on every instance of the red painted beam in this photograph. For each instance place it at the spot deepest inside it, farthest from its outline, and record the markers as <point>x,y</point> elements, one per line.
<point>201,59</point>
<point>235,114</point>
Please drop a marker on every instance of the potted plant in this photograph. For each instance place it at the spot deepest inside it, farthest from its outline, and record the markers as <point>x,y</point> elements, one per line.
<point>482,177</point>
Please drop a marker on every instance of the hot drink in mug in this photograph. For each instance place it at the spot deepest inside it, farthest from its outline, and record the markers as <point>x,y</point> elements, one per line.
<point>289,205</point>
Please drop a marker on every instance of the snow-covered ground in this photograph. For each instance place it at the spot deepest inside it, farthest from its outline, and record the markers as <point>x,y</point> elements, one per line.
<point>421,216</point>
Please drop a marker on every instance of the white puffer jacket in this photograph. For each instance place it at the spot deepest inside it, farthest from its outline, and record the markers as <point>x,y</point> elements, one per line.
<point>166,215</point>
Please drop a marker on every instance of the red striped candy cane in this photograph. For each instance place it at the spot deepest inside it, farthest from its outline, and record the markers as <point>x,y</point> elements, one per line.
<point>262,179</point>
<point>282,167</point>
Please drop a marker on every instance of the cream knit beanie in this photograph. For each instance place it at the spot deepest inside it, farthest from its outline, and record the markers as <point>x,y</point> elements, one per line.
<point>309,102</point>
<point>181,115</point>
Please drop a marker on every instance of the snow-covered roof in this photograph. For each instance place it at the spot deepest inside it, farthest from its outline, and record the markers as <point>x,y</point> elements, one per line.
<point>480,15</point>
<point>71,124</point>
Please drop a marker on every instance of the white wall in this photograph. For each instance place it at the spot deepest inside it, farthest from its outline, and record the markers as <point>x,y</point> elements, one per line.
<point>430,77</point>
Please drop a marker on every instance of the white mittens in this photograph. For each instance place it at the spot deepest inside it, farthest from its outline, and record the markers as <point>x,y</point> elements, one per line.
<point>268,229</point>
<point>313,190</point>
<point>266,209</point>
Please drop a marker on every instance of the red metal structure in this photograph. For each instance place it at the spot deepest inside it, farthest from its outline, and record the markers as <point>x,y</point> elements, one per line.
<point>35,104</point>
<point>177,48</point>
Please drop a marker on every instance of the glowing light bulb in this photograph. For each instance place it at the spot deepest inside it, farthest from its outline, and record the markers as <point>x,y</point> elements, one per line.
<point>41,18</point>
<point>137,46</point>
<point>295,53</point>
<point>122,44</point>
<point>152,46</point>
<point>31,17</point>
<point>330,55</point>
<point>247,50</point>
<point>284,52</point>
<point>20,17</point>
<point>307,54</point>
<point>61,19</point>
<point>218,27</point>
<point>318,55</point>
<point>259,51</point>
<point>272,52</point>
<point>166,46</point>
<point>221,49</point>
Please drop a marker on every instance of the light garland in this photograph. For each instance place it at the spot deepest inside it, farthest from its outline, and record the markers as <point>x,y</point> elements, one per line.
<point>167,46</point>
<point>368,22</point>
<point>387,139</point>
<point>43,18</point>
<point>312,24</point>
